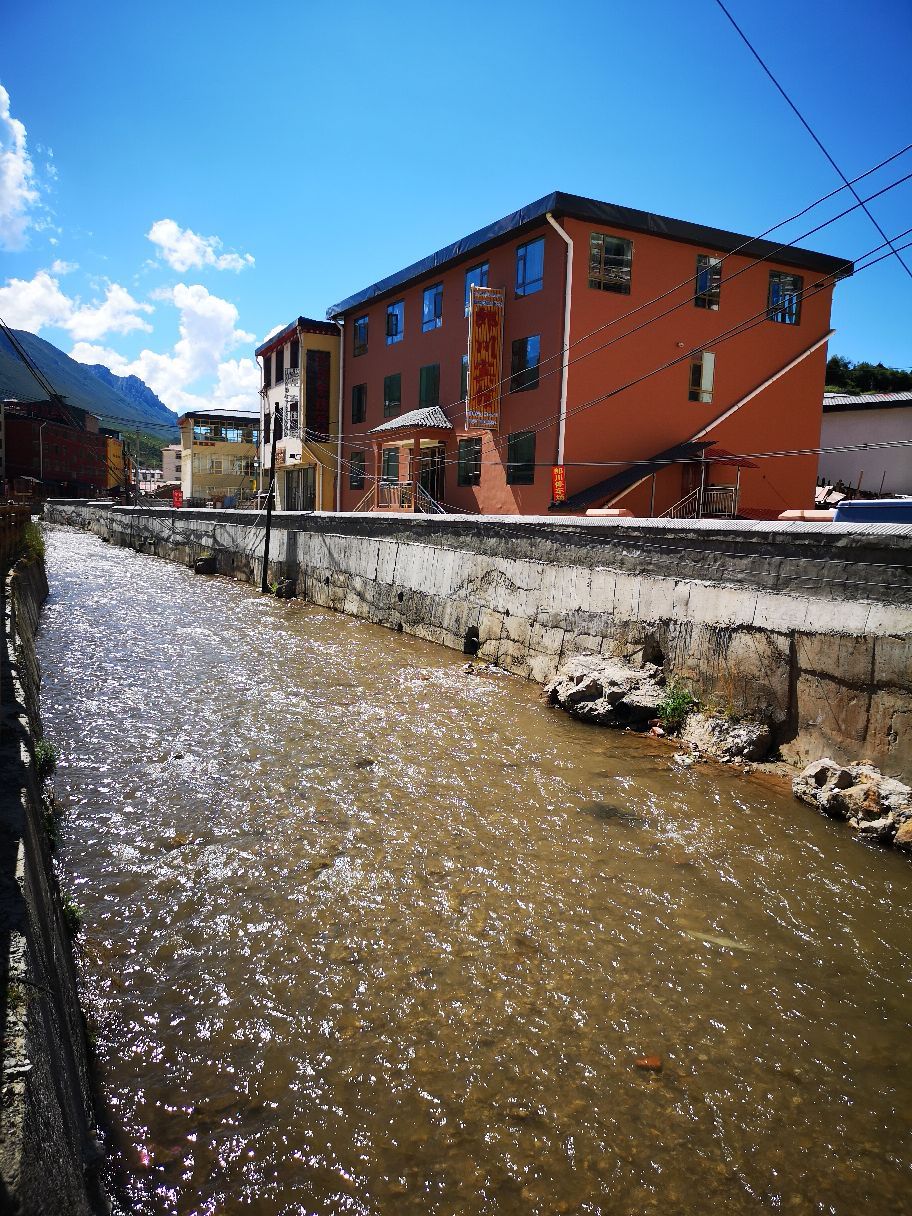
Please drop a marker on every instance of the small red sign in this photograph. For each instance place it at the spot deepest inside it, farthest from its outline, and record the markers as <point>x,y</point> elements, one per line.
<point>558,483</point>
<point>177,498</point>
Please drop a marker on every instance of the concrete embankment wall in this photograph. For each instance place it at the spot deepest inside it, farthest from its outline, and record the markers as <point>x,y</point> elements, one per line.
<point>805,625</point>
<point>48,1152</point>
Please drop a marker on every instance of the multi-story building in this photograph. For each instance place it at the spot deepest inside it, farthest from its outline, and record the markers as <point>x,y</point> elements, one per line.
<point>300,408</point>
<point>218,456</point>
<point>55,446</point>
<point>171,463</point>
<point>636,360</point>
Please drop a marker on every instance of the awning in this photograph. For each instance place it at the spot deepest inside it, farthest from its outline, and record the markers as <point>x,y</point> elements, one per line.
<point>431,418</point>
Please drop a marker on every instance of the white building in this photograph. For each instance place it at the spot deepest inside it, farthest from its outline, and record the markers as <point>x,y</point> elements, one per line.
<point>171,462</point>
<point>867,418</point>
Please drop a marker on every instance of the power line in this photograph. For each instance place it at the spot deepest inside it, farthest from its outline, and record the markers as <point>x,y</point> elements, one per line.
<point>506,380</point>
<point>737,330</point>
<point>807,126</point>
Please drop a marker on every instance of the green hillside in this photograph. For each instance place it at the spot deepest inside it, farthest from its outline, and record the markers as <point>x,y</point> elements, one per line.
<point>82,388</point>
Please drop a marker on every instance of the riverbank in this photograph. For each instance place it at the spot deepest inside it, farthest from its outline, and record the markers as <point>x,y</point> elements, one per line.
<point>805,627</point>
<point>49,1152</point>
<point>365,931</point>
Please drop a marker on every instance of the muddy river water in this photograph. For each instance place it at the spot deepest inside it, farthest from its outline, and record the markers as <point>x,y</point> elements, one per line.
<point>365,933</point>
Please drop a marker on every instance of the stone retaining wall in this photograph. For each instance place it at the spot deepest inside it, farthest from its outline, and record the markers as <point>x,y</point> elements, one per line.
<point>805,625</point>
<point>49,1154</point>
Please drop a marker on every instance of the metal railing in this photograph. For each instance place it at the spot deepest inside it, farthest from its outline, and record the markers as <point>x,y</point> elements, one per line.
<point>713,502</point>
<point>429,505</point>
<point>395,496</point>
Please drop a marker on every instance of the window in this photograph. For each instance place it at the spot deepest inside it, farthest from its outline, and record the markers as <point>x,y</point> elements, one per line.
<point>392,395</point>
<point>469,465</point>
<point>316,393</point>
<point>521,458</point>
<point>530,267</point>
<point>784,304</point>
<point>464,378</point>
<point>356,471</point>
<point>215,465</point>
<point>429,386</point>
<point>359,402</point>
<point>432,308</point>
<point>609,263</point>
<point>477,277</point>
<point>390,465</point>
<point>267,421</point>
<point>395,322</point>
<point>708,283</point>
<point>280,365</point>
<point>295,359</point>
<point>524,366</point>
<point>360,331</point>
<point>267,371</point>
<point>702,371</point>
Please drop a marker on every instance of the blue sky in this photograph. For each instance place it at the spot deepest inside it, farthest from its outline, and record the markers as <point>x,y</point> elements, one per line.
<point>179,180</point>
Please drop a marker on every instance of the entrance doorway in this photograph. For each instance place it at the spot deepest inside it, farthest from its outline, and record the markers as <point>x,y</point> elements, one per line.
<point>301,488</point>
<point>433,471</point>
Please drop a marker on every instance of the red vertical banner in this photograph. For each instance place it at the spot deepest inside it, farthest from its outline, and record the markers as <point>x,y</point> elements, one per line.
<point>558,484</point>
<point>486,315</point>
<point>177,498</point>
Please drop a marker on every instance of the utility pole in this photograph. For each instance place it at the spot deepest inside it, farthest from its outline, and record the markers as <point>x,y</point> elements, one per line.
<point>270,498</point>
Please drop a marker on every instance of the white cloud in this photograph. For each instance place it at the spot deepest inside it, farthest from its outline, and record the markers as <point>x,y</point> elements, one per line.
<point>117,314</point>
<point>38,303</point>
<point>277,329</point>
<point>18,190</point>
<point>185,250</point>
<point>61,267</point>
<point>207,333</point>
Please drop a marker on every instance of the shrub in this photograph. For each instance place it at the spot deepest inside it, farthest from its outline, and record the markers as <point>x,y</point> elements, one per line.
<point>72,917</point>
<point>678,702</point>
<point>32,541</point>
<point>45,758</point>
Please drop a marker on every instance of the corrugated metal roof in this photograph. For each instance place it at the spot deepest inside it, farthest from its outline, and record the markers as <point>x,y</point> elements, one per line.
<point>309,325</point>
<point>432,416</point>
<point>609,215</point>
<point>839,403</point>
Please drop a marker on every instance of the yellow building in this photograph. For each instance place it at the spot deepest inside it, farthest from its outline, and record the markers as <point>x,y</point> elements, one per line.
<point>219,456</point>
<point>301,390</point>
<point>114,460</point>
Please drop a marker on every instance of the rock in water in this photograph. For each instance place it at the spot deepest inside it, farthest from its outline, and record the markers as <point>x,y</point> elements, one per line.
<point>608,692</point>
<point>877,807</point>
<point>727,739</point>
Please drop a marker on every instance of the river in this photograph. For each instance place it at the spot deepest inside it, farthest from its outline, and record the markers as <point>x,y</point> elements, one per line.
<point>366,933</point>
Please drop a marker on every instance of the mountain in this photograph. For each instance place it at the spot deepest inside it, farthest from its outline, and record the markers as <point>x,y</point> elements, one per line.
<point>123,403</point>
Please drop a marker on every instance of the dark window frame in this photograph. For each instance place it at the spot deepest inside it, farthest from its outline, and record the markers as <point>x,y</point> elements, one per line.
<point>464,378</point>
<point>524,285</point>
<point>485,268</point>
<point>434,293</point>
<point>360,328</point>
<point>523,373</point>
<point>708,282</point>
<point>520,468</point>
<point>428,376</point>
<point>468,462</point>
<point>395,333</point>
<point>697,390</point>
<point>610,271</point>
<point>280,365</point>
<point>267,371</point>
<point>392,401</point>
<point>358,403</point>
<point>294,355</point>
<point>787,309</point>
<point>386,455</point>
<point>356,471</point>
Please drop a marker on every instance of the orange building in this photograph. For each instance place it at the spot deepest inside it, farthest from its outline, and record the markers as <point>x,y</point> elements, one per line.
<point>641,359</point>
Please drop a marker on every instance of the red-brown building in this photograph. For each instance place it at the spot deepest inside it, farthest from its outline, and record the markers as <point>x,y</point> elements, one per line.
<point>641,358</point>
<point>56,448</point>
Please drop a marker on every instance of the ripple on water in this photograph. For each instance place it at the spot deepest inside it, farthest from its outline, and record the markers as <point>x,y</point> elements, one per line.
<point>368,934</point>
